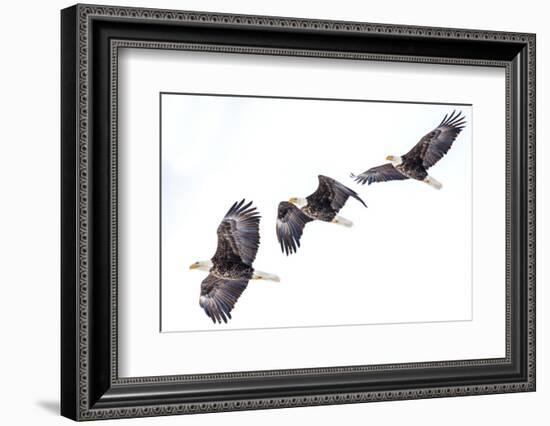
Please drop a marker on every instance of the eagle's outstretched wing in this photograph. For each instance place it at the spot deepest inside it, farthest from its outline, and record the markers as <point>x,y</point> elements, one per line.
<point>290,225</point>
<point>434,145</point>
<point>238,234</point>
<point>334,192</point>
<point>219,295</point>
<point>381,173</point>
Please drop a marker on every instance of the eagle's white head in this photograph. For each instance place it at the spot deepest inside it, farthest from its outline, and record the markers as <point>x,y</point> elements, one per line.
<point>203,265</point>
<point>396,160</point>
<point>298,201</point>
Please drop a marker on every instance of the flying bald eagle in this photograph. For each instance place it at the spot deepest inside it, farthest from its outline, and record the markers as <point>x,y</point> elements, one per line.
<point>323,204</point>
<point>415,163</point>
<point>231,266</point>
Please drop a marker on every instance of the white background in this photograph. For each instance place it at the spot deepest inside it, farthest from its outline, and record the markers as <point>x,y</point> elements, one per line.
<point>29,172</point>
<point>444,338</point>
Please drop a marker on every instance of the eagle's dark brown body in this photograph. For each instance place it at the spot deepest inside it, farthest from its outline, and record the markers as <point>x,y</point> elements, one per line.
<point>319,205</point>
<point>227,262</point>
<point>412,167</point>
<point>233,270</point>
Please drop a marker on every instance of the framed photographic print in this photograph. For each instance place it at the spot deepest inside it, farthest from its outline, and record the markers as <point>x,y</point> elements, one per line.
<point>263,212</point>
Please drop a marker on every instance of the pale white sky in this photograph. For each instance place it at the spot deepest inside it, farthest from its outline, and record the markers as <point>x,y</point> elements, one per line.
<point>407,259</point>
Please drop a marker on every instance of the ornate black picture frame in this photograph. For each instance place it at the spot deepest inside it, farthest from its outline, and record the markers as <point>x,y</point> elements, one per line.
<point>91,387</point>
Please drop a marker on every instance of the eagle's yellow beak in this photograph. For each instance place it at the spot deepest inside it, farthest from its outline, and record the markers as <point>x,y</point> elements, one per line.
<point>389,157</point>
<point>293,200</point>
<point>194,265</point>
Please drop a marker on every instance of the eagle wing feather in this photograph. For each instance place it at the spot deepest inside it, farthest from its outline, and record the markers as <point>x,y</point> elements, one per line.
<point>219,295</point>
<point>383,173</point>
<point>334,192</point>
<point>434,145</point>
<point>290,226</point>
<point>238,234</point>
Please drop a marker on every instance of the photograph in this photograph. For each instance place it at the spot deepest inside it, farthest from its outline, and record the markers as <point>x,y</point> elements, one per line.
<point>359,211</point>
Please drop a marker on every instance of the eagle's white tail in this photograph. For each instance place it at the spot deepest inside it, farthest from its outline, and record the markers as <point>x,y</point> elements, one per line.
<point>433,182</point>
<point>259,275</point>
<point>342,221</point>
